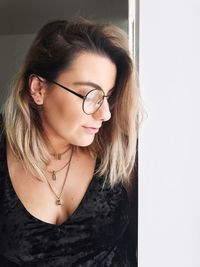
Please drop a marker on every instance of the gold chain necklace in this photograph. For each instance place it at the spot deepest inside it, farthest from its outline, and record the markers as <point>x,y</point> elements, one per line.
<point>58,196</point>
<point>59,155</point>
<point>53,172</point>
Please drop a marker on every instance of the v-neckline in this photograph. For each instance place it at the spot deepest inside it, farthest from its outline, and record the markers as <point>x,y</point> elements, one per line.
<point>31,216</point>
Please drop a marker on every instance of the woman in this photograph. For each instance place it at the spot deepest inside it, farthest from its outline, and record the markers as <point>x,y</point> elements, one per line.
<point>68,145</point>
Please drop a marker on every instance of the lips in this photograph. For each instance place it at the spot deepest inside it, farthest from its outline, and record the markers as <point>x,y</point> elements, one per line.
<point>91,130</point>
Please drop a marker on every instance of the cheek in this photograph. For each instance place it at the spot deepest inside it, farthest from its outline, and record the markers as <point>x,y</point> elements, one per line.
<point>65,104</point>
<point>65,119</point>
<point>63,113</point>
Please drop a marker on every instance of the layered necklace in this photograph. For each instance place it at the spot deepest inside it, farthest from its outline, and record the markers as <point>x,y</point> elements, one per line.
<point>58,156</point>
<point>58,196</point>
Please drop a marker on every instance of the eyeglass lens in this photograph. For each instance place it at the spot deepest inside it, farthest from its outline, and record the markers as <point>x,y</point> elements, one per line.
<point>93,101</point>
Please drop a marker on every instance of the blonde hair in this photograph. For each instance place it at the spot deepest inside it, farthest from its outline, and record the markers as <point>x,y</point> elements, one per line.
<point>53,50</point>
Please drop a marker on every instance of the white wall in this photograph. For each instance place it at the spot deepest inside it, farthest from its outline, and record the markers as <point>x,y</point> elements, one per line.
<point>169,145</point>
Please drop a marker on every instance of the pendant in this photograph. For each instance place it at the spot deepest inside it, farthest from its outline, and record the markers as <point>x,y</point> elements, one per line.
<point>58,202</point>
<point>53,175</point>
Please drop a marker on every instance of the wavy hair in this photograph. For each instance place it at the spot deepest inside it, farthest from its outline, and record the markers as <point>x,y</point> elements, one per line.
<point>55,47</point>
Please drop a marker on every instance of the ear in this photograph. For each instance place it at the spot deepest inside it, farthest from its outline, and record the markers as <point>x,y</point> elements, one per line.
<point>38,88</point>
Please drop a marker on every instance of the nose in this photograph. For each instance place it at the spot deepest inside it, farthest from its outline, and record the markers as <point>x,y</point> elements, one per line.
<point>103,113</point>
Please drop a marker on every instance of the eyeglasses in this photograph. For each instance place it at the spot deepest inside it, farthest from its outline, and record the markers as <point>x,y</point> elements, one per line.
<point>92,101</point>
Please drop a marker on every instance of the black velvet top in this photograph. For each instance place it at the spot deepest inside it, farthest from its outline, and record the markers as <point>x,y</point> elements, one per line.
<point>96,234</point>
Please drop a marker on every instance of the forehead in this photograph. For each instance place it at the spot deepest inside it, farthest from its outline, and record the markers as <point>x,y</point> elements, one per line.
<point>90,67</point>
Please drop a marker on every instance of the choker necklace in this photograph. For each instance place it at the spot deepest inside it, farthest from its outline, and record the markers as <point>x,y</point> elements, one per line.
<point>59,155</point>
<point>53,172</point>
<point>58,196</point>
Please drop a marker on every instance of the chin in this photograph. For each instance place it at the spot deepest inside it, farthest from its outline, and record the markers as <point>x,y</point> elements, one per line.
<point>84,142</point>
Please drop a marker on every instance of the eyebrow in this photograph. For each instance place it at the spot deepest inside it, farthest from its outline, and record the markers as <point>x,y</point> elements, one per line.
<point>91,84</point>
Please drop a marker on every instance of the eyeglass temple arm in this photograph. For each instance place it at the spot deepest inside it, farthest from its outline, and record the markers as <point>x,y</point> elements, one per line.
<point>81,96</point>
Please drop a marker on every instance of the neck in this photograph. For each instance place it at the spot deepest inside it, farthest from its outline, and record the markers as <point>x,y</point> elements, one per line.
<point>58,147</point>
<point>56,144</point>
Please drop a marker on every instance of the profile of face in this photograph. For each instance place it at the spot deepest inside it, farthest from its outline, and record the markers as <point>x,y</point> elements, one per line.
<point>62,113</point>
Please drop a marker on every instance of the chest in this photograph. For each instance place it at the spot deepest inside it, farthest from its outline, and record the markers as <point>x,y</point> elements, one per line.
<point>39,197</point>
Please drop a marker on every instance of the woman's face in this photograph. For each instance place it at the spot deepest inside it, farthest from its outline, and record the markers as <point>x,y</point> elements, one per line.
<point>63,117</point>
